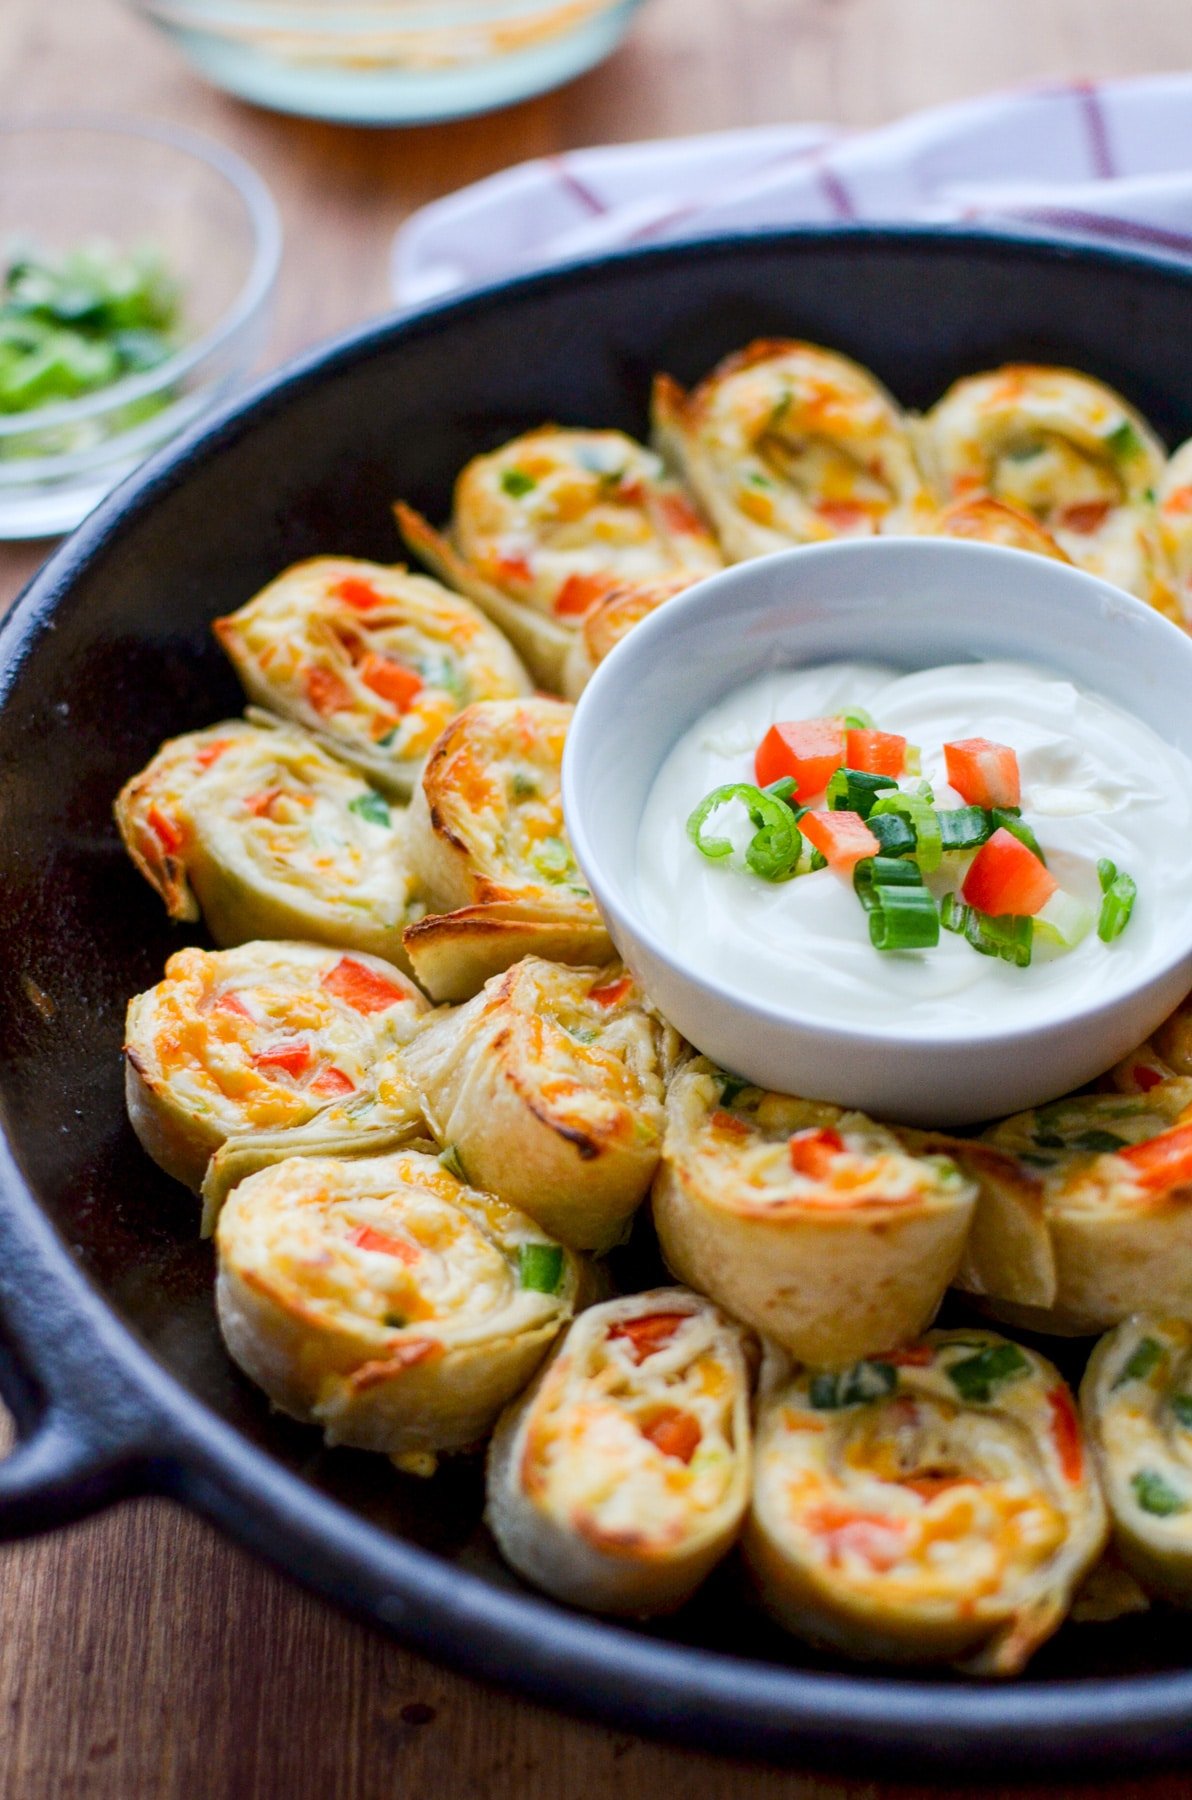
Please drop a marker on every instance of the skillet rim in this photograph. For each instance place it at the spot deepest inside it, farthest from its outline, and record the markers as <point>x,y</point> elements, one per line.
<point>164,1439</point>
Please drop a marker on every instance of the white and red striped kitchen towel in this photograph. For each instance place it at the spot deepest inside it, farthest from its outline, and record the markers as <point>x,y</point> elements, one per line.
<point>1110,160</point>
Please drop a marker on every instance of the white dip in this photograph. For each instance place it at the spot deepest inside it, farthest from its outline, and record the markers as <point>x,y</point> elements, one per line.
<point>1096,782</point>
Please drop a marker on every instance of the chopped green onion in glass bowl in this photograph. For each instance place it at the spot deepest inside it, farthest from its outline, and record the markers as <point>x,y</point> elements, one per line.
<point>137,268</point>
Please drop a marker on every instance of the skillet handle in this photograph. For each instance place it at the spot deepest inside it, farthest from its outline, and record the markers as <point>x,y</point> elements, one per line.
<point>85,1433</point>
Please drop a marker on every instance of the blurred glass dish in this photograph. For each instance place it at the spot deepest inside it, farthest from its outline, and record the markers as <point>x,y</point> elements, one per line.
<point>72,181</point>
<point>391,62</point>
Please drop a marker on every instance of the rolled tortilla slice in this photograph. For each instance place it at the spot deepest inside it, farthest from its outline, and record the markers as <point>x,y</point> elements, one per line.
<point>1136,1397</point>
<point>490,853</point>
<point>1069,452</point>
<point>936,1505</point>
<point>610,620</point>
<point>271,838</point>
<point>1175,524</point>
<point>372,661</point>
<point>544,527</point>
<point>385,1300</point>
<point>987,521</point>
<point>621,1478</point>
<point>550,1087</point>
<point>1164,1056</point>
<point>1108,1180</point>
<point>811,1223</point>
<point>787,443</point>
<point>276,1042</point>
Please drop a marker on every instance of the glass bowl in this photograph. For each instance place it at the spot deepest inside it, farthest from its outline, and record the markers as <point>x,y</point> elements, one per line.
<point>391,62</point>
<point>67,181</point>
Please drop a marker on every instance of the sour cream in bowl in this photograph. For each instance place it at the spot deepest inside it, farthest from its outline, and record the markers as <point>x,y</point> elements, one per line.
<point>1046,733</point>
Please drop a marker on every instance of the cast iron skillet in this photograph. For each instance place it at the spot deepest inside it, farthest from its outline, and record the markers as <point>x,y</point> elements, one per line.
<point>112,1360</point>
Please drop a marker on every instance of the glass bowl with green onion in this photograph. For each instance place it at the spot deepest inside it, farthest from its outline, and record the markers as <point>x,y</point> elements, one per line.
<point>137,269</point>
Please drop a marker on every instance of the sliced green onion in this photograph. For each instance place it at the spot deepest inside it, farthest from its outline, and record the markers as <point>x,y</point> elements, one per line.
<point>1064,920</point>
<point>1143,1361</point>
<point>818,861</point>
<point>449,1160</point>
<point>924,820</point>
<point>371,806</point>
<point>855,790</point>
<point>773,851</point>
<point>1009,937</point>
<point>1106,874</point>
<point>964,828</point>
<point>895,835</point>
<point>1155,1494</point>
<point>782,789</point>
<point>857,719</point>
<point>1008,818</point>
<point>976,1378</point>
<point>516,483</point>
<point>1100,1141</point>
<point>905,918</point>
<point>864,1382</point>
<point>1181,1406</point>
<point>1124,440</point>
<point>540,1267</point>
<point>875,872</point>
<point>1116,906</point>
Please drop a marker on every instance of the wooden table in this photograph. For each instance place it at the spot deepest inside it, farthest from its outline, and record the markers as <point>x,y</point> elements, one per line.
<point>142,1656</point>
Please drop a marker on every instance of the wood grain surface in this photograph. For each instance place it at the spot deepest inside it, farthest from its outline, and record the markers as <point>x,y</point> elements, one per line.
<point>142,1657</point>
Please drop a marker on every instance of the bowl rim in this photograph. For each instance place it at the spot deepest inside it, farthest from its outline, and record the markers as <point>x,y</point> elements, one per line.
<point>855,1718</point>
<point>253,294</point>
<point>650,638</point>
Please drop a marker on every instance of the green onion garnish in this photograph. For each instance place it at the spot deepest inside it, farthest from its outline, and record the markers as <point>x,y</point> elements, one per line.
<point>1181,1406</point>
<point>516,483</point>
<point>855,790</point>
<point>449,1159</point>
<point>1116,906</point>
<point>816,862</point>
<point>784,789</point>
<point>540,1267</point>
<point>895,835</point>
<point>924,820</point>
<point>875,872</point>
<point>905,918</point>
<point>1007,818</point>
<point>1106,874</point>
<point>1123,440</point>
<point>857,719</point>
<point>1155,1494</point>
<point>964,828</point>
<point>864,1382</point>
<point>1143,1360</point>
<point>773,851</point>
<point>976,1377</point>
<point>1008,937</point>
<point>371,806</point>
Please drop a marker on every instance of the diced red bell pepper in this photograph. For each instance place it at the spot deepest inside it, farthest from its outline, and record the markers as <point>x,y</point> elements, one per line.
<point>680,517</point>
<point>1005,877</point>
<point>648,1334</point>
<point>367,1239</point>
<point>1086,517</point>
<point>360,594</point>
<point>1178,501</point>
<point>673,1432</point>
<point>611,991</point>
<point>844,515</point>
<point>363,989</point>
<point>326,692</point>
<point>812,1151</point>
<point>579,594</point>
<point>1161,1162</point>
<point>1065,1433</point>
<point>876,752</point>
<point>168,835</point>
<point>391,680</point>
<point>330,1083</point>
<point>983,773</point>
<point>843,837</point>
<point>291,1058</point>
<point>809,750</point>
<point>211,753</point>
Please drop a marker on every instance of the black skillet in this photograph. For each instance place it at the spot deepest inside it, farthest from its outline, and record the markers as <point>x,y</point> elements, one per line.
<point>112,1361</point>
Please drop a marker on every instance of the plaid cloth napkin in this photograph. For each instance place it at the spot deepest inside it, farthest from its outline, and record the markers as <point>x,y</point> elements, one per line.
<point>1110,160</point>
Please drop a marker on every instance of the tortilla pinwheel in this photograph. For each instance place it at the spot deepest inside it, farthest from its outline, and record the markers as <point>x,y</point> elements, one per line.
<point>622,1476</point>
<point>1136,1397</point>
<point>386,1301</point>
<point>811,1223</point>
<point>936,1504</point>
<point>1069,452</point>
<point>550,523</point>
<point>787,443</point>
<point>490,853</point>
<point>550,1087</point>
<point>267,836</point>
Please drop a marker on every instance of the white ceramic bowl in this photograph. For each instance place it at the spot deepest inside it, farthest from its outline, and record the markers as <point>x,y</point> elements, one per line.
<point>913,603</point>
